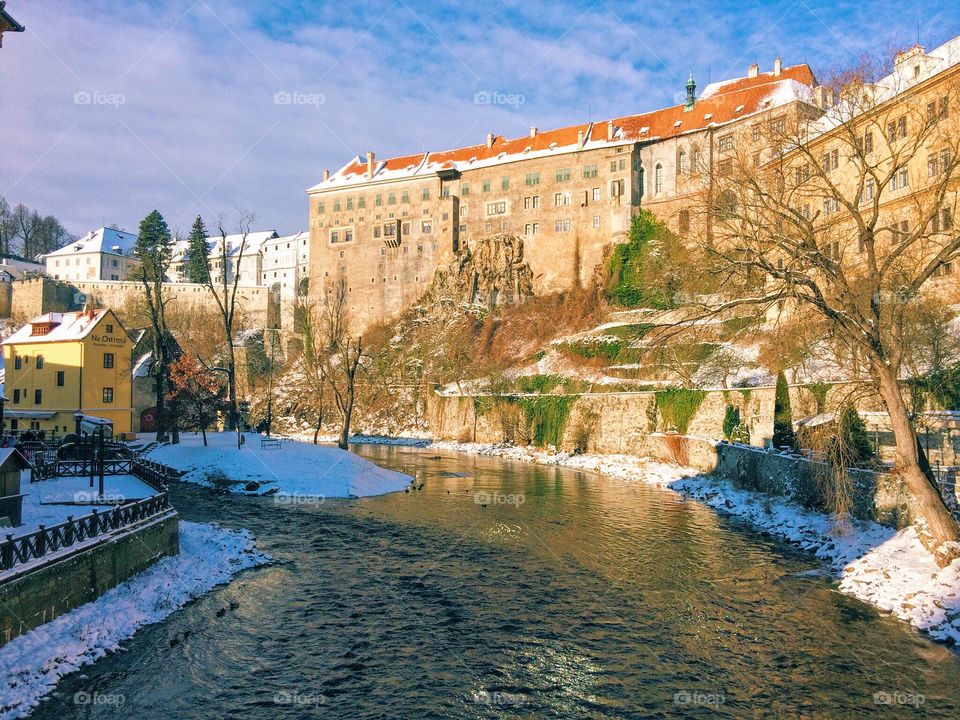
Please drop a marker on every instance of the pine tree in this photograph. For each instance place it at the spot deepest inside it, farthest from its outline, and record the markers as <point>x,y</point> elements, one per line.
<point>154,249</point>
<point>195,266</point>
<point>783,435</point>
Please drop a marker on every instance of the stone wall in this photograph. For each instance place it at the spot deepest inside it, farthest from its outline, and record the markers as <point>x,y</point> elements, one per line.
<point>36,596</point>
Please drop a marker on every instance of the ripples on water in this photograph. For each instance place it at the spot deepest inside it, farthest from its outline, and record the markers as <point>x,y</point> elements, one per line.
<point>587,599</point>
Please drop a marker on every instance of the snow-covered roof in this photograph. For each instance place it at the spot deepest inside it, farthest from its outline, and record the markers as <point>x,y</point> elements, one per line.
<point>61,327</point>
<point>721,103</point>
<point>103,240</point>
<point>911,67</point>
<point>254,243</point>
<point>282,239</point>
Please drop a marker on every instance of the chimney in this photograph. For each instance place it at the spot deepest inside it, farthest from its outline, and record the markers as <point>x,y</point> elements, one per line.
<point>370,158</point>
<point>609,130</point>
<point>533,132</point>
<point>777,66</point>
<point>579,138</point>
<point>753,71</point>
<point>326,174</point>
<point>490,137</point>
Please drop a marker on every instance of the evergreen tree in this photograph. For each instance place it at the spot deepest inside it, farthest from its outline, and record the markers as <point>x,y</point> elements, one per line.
<point>852,436</point>
<point>783,435</point>
<point>154,248</point>
<point>195,266</point>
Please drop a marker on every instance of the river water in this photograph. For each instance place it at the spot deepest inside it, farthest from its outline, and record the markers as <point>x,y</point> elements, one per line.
<point>568,595</point>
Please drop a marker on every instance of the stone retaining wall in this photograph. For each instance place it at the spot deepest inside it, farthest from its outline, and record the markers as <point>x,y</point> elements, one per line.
<point>33,596</point>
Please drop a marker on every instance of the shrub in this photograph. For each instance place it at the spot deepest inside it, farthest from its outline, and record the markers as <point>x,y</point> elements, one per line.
<point>677,406</point>
<point>640,271</point>
<point>783,435</point>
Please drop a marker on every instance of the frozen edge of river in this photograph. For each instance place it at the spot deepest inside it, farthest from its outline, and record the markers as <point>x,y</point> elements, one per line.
<point>879,565</point>
<point>34,663</point>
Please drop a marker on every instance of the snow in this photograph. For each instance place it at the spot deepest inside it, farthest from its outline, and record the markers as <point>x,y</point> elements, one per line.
<point>887,568</point>
<point>294,469</point>
<point>34,663</point>
<point>76,494</point>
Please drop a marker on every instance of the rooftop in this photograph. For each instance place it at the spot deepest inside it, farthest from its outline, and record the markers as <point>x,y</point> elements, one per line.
<point>59,327</point>
<point>720,103</point>
<point>102,240</point>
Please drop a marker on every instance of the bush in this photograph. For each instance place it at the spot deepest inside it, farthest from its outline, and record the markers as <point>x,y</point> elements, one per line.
<point>640,272</point>
<point>677,406</point>
<point>783,435</point>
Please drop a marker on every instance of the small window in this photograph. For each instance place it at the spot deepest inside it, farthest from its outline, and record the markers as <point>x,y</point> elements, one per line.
<point>109,328</point>
<point>505,183</point>
<point>425,194</point>
<point>108,360</point>
<point>18,362</point>
<point>39,361</point>
<point>108,395</point>
<point>37,396</point>
<point>589,171</point>
<point>61,377</point>
<point>16,396</point>
<point>532,179</point>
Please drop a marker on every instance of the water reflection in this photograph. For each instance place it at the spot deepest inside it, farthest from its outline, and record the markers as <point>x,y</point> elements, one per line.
<point>588,598</point>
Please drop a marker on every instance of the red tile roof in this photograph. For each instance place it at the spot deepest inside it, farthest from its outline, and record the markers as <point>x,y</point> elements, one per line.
<point>721,102</point>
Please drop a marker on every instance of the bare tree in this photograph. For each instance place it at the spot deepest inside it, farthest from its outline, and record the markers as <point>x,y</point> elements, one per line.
<point>223,283</point>
<point>847,218</point>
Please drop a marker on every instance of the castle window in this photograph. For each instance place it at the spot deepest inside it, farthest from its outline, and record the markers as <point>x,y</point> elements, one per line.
<point>596,194</point>
<point>361,203</point>
<point>39,362</point>
<point>61,377</point>
<point>16,396</point>
<point>497,208</point>
<point>426,227</point>
<point>485,186</point>
<point>725,143</point>
<point>405,197</point>
<point>589,171</point>
<point>562,175</point>
<point>37,396</point>
<point>465,188</point>
<point>378,200</point>
<point>531,202</point>
<point>392,199</point>
<point>108,395</point>
<point>658,179</point>
<point>349,203</point>
<point>531,179</point>
<point>505,183</point>
<point>596,221</point>
<point>336,205</point>
<point>425,194</point>
<point>682,162</point>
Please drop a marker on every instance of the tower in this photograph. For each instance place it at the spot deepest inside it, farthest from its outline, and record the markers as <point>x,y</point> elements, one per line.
<point>691,93</point>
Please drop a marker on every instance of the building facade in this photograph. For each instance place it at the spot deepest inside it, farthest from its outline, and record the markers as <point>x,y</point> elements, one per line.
<point>383,227</point>
<point>104,254</point>
<point>60,363</point>
<point>285,265</point>
<point>244,255</point>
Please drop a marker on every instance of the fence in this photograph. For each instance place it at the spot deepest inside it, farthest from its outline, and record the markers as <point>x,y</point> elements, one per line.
<point>154,474</point>
<point>18,550</point>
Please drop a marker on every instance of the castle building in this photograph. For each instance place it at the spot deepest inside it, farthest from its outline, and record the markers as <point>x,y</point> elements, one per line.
<point>285,264</point>
<point>61,363</point>
<point>382,227</point>
<point>244,256</point>
<point>103,254</point>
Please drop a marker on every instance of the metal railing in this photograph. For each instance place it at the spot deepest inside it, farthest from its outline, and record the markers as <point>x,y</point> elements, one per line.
<point>46,540</point>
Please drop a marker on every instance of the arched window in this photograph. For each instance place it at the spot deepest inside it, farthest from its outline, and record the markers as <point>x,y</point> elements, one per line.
<point>658,179</point>
<point>642,181</point>
<point>682,168</point>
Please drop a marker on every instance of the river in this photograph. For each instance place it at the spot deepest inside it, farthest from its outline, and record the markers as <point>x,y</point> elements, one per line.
<point>561,594</point>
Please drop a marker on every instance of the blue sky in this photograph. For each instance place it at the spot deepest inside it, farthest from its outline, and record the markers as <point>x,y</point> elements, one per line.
<point>110,109</point>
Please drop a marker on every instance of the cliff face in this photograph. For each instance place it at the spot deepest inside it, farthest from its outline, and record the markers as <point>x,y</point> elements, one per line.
<point>490,270</point>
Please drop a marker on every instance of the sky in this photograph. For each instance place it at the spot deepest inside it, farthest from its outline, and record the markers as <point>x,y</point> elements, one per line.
<point>111,109</point>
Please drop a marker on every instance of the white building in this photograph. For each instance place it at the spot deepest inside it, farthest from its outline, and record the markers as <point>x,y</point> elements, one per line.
<point>104,254</point>
<point>248,264</point>
<point>286,264</point>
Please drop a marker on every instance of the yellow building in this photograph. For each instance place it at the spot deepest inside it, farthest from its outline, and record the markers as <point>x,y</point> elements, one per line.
<point>60,363</point>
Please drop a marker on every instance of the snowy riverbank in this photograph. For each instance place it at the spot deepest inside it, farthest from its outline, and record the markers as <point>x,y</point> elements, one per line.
<point>32,664</point>
<point>874,563</point>
<point>293,468</point>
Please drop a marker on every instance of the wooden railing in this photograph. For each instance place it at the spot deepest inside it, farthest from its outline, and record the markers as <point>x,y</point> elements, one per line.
<point>46,540</point>
<point>154,474</point>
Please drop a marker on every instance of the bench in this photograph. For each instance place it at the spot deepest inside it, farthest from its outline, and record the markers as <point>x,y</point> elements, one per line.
<point>270,443</point>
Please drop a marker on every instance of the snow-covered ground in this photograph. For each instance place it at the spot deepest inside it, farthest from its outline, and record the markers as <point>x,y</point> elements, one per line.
<point>294,469</point>
<point>32,664</point>
<point>74,495</point>
<point>874,563</point>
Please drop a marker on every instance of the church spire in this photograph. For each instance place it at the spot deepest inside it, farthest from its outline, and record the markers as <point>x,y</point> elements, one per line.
<point>691,93</point>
